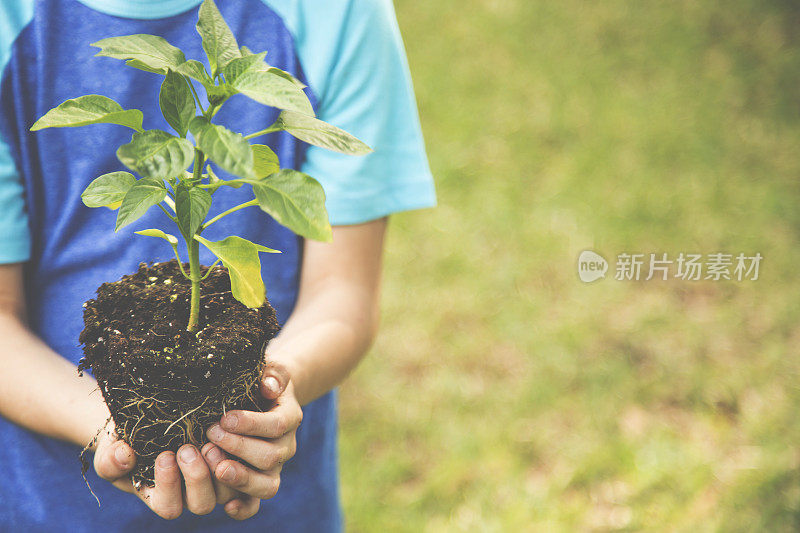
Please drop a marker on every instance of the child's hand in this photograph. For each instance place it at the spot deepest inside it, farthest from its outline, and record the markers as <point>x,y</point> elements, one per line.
<point>265,440</point>
<point>114,460</point>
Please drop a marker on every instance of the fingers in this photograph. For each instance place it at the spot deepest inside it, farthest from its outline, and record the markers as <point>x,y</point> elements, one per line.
<point>262,454</point>
<point>262,485</point>
<point>237,505</point>
<point>275,423</point>
<point>114,461</point>
<point>274,380</point>
<point>200,496</point>
<point>165,499</point>
<point>242,508</point>
<point>214,456</point>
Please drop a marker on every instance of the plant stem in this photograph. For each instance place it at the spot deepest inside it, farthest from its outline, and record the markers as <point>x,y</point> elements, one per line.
<point>263,132</point>
<point>194,273</point>
<point>194,93</point>
<point>180,264</point>
<point>210,269</point>
<point>170,202</point>
<point>199,159</point>
<point>193,248</point>
<point>211,111</point>
<point>228,212</point>
<point>167,213</point>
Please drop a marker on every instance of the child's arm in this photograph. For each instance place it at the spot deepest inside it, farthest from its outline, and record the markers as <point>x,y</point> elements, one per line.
<point>336,317</point>
<point>332,326</point>
<point>41,391</point>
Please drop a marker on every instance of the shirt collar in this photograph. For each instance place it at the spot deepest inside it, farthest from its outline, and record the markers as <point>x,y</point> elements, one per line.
<point>141,9</point>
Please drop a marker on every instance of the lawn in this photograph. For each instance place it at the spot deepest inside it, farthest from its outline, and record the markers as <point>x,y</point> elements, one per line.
<point>504,394</point>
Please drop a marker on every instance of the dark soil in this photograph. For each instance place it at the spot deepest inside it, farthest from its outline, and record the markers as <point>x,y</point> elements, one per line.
<point>164,385</point>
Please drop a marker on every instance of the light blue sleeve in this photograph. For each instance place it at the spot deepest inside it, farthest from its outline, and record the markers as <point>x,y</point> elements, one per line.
<point>15,238</point>
<point>353,56</point>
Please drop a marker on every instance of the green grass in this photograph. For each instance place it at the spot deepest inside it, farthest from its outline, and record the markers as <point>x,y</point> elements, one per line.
<point>505,395</point>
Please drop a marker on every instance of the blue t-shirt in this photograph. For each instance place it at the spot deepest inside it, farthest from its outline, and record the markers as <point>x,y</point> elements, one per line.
<point>348,52</point>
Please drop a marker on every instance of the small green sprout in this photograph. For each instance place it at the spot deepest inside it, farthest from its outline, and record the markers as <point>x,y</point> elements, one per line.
<point>292,198</point>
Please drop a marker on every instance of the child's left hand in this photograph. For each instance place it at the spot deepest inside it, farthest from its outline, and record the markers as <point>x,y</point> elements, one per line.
<point>265,440</point>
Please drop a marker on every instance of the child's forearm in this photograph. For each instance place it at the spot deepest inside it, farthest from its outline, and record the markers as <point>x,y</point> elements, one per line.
<point>324,340</point>
<point>336,316</point>
<point>41,390</point>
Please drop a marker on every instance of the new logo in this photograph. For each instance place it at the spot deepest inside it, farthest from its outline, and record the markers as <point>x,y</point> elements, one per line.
<point>591,266</point>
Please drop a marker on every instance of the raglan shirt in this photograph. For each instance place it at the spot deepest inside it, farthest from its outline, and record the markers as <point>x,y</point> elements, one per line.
<point>348,52</point>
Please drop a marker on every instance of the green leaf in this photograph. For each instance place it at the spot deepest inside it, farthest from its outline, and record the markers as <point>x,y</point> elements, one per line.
<point>219,93</point>
<point>240,257</point>
<point>218,40</point>
<point>267,85</point>
<point>265,161</point>
<point>144,194</point>
<point>150,53</point>
<point>319,133</point>
<point>172,239</point>
<point>89,109</point>
<point>156,154</point>
<point>176,102</point>
<point>286,75</point>
<point>195,70</point>
<point>255,63</point>
<point>244,64</point>
<point>297,201</point>
<point>108,190</point>
<point>229,150</point>
<point>192,205</point>
<point>269,88</point>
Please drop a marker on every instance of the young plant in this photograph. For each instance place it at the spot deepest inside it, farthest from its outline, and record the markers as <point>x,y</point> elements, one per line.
<point>292,198</point>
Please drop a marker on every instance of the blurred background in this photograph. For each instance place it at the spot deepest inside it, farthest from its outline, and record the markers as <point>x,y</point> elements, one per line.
<point>506,395</point>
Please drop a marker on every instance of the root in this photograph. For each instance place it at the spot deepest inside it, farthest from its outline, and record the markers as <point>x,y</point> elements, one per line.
<point>154,420</point>
<point>85,462</point>
<point>187,414</point>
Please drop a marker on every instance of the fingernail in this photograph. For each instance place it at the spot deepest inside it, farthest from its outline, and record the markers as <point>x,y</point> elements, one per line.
<point>122,456</point>
<point>214,454</point>
<point>166,460</point>
<point>230,421</point>
<point>228,474</point>
<point>215,433</point>
<point>187,454</point>
<point>272,385</point>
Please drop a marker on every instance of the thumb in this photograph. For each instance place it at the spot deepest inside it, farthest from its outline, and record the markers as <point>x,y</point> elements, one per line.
<point>274,380</point>
<point>114,460</point>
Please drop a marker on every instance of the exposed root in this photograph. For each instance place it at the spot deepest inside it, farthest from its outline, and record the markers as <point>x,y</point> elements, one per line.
<point>85,462</point>
<point>184,416</point>
<point>162,420</point>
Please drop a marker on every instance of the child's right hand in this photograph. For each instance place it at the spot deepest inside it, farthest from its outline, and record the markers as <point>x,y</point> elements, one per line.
<point>114,460</point>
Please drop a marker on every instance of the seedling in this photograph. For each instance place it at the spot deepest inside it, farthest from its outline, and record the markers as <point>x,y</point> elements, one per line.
<point>292,198</point>
<point>165,386</point>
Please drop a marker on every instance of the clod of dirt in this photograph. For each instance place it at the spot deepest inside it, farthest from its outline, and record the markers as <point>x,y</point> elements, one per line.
<point>164,385</point>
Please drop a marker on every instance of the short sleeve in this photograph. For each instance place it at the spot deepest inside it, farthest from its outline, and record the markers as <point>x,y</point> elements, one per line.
<point>15,243</point>
<point>15,238</point>
<point>353,56</point>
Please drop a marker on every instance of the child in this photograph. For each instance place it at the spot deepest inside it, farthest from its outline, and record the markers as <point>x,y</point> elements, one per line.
<point>54,253</point>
